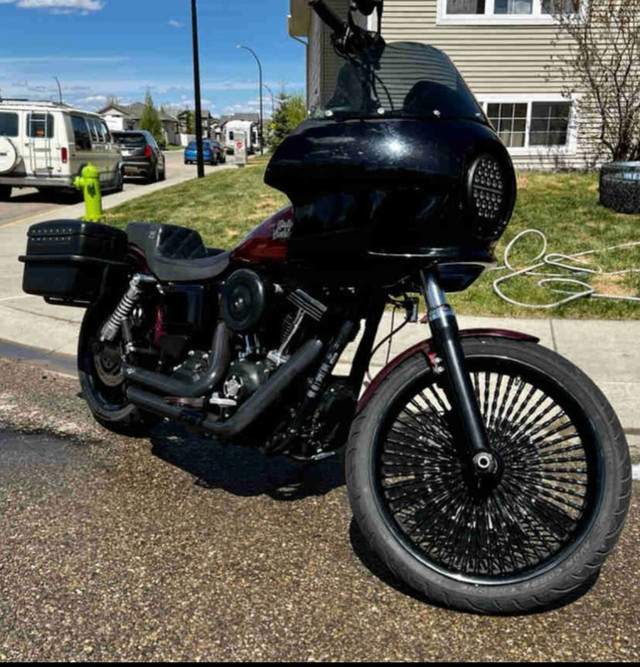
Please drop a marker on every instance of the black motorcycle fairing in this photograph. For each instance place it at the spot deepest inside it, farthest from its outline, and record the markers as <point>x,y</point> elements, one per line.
<point>176,254</point>
<point>395,186</point>
<point>400,162</point>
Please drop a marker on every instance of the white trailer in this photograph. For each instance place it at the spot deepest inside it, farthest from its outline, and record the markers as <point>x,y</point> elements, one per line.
<point>249,128</point>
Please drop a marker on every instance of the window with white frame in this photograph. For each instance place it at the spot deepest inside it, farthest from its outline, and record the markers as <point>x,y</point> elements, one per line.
<point>504,11</point>
<point>531,124</point>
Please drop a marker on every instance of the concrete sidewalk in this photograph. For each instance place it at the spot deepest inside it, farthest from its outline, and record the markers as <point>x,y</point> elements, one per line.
<point>607,351</point>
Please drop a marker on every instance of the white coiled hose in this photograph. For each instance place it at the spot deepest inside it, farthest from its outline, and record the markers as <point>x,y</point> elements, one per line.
<point>560,261</point>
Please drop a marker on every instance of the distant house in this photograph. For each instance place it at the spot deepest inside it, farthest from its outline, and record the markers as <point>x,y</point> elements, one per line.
<point>504,50</point>
<point>207,122</point>
<point>119,117</point>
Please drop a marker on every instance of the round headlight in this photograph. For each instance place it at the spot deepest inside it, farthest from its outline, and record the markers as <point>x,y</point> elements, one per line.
<point>490,197</point>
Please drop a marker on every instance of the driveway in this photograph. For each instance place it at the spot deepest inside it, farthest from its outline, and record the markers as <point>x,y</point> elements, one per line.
<point>178,548</point>
<point>29,202</point>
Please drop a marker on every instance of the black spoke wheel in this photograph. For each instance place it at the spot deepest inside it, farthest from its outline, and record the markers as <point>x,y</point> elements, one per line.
<point>101,379</point>
<point>520,538</point>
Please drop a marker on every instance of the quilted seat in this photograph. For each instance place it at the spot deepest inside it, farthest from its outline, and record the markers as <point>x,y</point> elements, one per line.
<point>176,254</point>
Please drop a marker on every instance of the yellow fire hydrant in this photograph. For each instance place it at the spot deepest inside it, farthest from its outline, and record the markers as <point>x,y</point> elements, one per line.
<point>89,183</point>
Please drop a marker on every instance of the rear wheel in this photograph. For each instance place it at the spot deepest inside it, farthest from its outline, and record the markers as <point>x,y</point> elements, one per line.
<point>101,379</point>
<point>5,192</point>
<point>118,181</point>
<point>154,174</point>
<point>535,534</point>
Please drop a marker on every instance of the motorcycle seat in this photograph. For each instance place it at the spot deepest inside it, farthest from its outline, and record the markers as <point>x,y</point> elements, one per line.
<point>176,254</point>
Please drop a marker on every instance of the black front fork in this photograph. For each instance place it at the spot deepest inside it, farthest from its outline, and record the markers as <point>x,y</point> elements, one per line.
<point>444,329</point>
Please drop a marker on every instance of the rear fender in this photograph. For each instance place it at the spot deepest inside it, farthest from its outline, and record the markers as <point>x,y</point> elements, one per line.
<point>426,346</point>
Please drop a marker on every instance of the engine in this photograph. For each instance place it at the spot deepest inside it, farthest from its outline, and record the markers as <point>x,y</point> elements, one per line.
<point>269,321</point>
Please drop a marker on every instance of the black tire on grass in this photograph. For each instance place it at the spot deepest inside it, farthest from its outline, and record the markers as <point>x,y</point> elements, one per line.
<point>620,186</point>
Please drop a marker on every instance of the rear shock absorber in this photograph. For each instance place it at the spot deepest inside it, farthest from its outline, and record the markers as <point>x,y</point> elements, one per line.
<point>111,329</point>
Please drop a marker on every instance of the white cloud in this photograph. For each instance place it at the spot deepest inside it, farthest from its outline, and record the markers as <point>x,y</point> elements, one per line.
<point>59,6</point>
<point>175,23</point>
<point>71,59</point>
<point>248,106</point>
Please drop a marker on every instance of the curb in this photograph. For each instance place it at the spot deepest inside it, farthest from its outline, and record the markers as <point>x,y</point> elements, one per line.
<point>63,364</point>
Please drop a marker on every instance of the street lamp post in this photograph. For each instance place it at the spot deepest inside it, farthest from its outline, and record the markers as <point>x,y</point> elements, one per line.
<point>273,104</point>
<point>196,86</point>
<point>241,46</point>
<point>59,88</point>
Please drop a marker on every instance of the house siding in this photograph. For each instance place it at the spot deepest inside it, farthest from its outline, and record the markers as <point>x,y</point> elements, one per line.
<point>494,60</point>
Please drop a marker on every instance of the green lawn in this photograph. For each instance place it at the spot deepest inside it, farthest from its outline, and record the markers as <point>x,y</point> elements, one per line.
<point>223,206</point>
<point>226,205</point>
<point>565,208</point>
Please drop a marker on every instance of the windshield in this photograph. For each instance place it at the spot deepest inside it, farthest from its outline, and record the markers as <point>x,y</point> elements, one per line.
<point>403,79</point>
<point>130,139</point>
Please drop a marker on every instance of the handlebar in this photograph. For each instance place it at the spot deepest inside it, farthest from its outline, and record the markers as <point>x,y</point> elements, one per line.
<point>328,16</point>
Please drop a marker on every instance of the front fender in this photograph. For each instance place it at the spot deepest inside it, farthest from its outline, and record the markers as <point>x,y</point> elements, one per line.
<point>427,346</point>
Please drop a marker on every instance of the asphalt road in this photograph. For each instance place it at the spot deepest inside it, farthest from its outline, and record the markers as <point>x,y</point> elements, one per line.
<point>29,202</point>
<point>177,548</point>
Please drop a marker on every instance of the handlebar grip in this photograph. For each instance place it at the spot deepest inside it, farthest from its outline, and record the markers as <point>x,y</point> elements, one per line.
<point>328,16</point>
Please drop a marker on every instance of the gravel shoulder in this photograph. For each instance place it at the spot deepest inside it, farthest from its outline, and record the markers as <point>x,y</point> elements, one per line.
<point>177,548</point>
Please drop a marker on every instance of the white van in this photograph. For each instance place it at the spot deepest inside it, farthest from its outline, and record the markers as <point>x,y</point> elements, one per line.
<point>45,145</point>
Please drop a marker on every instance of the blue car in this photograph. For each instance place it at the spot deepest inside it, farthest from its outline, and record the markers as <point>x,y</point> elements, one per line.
<point>212,152</point>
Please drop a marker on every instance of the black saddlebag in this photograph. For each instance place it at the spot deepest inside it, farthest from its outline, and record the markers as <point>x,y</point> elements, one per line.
<point>70,261</point>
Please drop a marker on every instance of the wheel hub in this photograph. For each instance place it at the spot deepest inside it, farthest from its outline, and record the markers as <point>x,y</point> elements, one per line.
<point>108,365</point>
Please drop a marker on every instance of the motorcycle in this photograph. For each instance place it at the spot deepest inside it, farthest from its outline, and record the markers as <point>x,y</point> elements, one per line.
<point>486,471</point>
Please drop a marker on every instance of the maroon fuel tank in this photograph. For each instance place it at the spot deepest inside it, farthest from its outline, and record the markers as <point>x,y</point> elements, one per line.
<point>268,242</point>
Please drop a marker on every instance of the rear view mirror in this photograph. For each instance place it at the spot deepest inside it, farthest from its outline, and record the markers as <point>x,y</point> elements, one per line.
<point>367,7</point>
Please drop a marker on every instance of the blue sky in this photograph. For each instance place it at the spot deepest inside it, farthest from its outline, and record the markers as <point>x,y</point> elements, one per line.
<point>100,48</point>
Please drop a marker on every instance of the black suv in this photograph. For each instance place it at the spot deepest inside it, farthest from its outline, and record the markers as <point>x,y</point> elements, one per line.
<point>141,155</point>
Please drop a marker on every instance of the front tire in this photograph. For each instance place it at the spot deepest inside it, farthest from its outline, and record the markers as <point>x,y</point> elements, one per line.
<point>531,538</point>
<point>101,380</point>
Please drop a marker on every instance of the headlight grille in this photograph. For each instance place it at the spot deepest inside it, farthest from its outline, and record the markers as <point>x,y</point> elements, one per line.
<point>488,197</point>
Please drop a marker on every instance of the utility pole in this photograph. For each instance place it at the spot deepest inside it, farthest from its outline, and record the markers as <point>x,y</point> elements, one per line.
<point>196,86</point>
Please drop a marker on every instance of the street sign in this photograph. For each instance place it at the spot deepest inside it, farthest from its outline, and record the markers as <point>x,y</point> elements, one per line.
<point>240,150</point>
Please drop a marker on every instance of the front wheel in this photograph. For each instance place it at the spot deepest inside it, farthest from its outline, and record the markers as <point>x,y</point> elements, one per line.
<point>101,379</point>
<point>533,535</point>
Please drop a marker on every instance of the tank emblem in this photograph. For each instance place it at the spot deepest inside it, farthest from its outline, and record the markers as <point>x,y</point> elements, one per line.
<point>283,230</point>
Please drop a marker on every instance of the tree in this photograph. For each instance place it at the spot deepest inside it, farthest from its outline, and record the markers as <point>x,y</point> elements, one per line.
<point>191,122</point>
<point>602,65</point>
<point>290,112</point>
<point>150,119</point>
